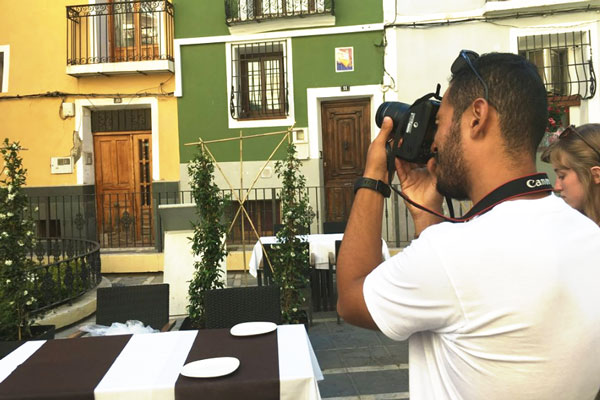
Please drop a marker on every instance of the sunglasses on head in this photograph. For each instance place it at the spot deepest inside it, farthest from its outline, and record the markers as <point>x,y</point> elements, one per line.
<point>569,130</point>
<point>465,59</point>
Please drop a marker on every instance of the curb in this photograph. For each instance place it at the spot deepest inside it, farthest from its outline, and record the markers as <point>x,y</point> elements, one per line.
<point>70,313</point>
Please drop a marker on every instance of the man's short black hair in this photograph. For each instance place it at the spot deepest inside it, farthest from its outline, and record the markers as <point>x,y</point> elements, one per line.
<point>516,91</point>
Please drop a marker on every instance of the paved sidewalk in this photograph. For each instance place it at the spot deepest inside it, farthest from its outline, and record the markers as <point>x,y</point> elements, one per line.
<point>358,364</point>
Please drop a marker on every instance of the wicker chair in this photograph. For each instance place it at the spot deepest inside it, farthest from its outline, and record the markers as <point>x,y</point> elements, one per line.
<point>334,227</point>
<point>146,303</point>
<point>224,308</point>
<point>331,287</point>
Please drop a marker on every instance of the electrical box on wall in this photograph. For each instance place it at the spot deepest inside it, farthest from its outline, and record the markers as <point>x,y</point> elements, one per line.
<point>61,165</point>
<point>68,109</point>
<point>300,140</point>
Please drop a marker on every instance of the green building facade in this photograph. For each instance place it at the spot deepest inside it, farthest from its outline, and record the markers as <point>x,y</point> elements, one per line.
<point>249,68</point>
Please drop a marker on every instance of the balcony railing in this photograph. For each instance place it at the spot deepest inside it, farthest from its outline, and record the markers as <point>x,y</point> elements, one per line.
<point>62,270</point>
<point>130,220</point>
<point>237,11</point>
<point>120,32</point>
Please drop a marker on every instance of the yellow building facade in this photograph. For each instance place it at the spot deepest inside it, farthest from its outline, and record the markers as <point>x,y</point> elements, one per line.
<point>88,91</point>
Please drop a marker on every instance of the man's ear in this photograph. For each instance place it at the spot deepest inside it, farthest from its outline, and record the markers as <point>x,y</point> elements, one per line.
<point>595,174</point>
<point>479,117</point>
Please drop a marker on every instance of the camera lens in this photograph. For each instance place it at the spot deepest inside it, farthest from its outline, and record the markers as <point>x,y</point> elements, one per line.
<point>393,109</point>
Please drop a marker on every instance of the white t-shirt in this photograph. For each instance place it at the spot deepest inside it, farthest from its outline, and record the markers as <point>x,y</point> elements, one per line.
<point>506,306</point>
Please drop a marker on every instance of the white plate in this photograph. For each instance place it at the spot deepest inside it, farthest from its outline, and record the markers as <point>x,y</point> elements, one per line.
<point>210,367</point>
<point>252,328</point>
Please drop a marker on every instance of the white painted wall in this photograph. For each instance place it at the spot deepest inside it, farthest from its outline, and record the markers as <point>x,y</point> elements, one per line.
<point>420,58</point>
<point>428,7</point>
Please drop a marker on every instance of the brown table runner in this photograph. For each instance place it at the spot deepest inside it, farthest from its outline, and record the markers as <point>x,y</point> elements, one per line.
<point>39,378</point>
<point>256,378</point>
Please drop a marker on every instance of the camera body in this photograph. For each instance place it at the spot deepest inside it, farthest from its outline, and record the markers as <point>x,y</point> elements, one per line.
<point>415,124</point>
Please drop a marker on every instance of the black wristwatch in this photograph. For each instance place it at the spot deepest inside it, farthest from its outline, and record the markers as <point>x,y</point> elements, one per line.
<point>378,186</point>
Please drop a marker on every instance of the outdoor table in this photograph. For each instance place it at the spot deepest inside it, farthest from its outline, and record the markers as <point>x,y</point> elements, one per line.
<point>280,364</point>
<point>320,245</point>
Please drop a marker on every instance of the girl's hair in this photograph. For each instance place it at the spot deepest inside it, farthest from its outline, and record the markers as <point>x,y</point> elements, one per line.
<point>570,152</point>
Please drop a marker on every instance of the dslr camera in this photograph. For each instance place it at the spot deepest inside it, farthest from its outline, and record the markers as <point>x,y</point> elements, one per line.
<point>415,124</point>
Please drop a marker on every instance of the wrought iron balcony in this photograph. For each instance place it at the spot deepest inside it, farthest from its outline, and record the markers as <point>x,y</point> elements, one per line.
<point>118,32</point>
<point>239,11</point>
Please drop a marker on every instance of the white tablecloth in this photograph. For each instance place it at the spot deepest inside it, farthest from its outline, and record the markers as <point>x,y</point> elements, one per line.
<point>320,245</point>
<point>149,365</point>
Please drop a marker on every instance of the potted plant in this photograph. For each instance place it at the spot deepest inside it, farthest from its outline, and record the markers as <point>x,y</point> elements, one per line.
<point>291,267</point>
<point>207,241</point>
<point>16,239</point>
<point>556,124</point>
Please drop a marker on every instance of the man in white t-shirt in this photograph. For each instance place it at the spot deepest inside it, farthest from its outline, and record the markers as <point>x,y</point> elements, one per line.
<point>505,305</point>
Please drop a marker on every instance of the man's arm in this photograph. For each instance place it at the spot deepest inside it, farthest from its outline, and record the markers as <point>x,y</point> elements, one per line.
<point>360,251</point>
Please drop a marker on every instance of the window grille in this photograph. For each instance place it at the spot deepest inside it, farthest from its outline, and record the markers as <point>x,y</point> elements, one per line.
<point>237,11</point>
<point>564,61</point>
<point>259,80</point>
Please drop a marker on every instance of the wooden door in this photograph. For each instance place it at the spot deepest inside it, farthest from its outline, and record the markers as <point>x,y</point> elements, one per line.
<point>123,173</point>
<point>134,31</point>
<point>346,138</point>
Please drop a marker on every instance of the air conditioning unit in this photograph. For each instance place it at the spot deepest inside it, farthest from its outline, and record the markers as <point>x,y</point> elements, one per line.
<point>61,165</point>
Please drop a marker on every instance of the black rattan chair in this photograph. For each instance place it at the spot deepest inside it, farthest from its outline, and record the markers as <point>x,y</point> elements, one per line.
<point>334,227</point>
<point>146,303</point>
<point>224,308</point>
<point>332,284</point>
<point>264,274</point>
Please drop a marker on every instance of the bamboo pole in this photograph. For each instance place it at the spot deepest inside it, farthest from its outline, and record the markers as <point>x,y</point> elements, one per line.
<point>242,199</point>
<point>237,138</point>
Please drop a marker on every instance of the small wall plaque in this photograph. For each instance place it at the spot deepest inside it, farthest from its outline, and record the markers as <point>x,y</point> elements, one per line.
<point>344,59</point>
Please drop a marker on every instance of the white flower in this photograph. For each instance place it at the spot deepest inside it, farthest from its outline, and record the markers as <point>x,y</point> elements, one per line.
<point>5,234</point>
<point>20,243</point>
<point>2,216</point>
<point>9,214</point>
<point>8,262</point>
<point>7,281</point>
<point>11,196</point>
<point>29,233</point>
<point>25,292</point>
<point>28,302</point>
<point>294,309</point>
<point>10,188</point>
<point>36,209</point>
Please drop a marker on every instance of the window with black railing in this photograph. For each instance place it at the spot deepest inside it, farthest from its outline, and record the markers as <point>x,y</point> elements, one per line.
<point>259,80</point>
<point>237,11</point>
<point>118,31</point>
<point>564,61</point>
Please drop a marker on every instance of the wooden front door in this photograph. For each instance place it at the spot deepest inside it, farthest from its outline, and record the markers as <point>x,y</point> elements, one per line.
<point>123,171</point>
<point>346,137</point>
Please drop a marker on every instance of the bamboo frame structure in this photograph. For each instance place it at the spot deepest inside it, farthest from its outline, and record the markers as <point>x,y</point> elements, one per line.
<point>242,208</point>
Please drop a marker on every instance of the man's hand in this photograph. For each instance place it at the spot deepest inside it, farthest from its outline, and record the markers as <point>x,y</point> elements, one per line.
<point>419,184</point>
<point>376,166</point>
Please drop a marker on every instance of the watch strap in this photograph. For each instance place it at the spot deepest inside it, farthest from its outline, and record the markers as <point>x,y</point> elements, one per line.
<point>373,184</point>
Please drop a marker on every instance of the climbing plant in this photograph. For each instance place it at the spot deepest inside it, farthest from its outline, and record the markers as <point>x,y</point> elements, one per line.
<point>290,261</point>
<point>209,231</point>
<point>16,240</point>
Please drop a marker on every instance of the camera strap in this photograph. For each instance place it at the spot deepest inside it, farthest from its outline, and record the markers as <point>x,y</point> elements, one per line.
<point>529,184</point>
